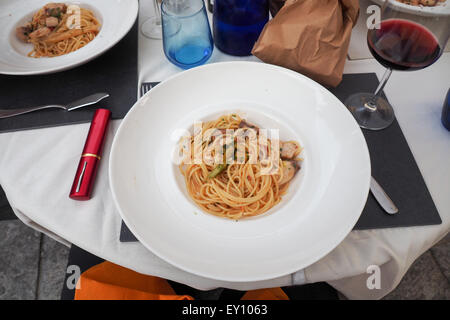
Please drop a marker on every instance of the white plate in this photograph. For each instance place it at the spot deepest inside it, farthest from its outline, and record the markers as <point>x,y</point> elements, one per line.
<point>438,10</point>
<point>324,200</point>
<point>116,16</point>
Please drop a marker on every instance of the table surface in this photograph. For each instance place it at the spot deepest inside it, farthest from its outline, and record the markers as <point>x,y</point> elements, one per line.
<point>34,167</point>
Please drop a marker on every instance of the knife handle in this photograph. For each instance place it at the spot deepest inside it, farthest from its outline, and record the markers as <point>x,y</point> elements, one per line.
<point>6,113</point>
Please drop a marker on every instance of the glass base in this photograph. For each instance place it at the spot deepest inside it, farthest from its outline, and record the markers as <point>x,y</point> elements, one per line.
<point>151,28</point>
<point>373,116</point>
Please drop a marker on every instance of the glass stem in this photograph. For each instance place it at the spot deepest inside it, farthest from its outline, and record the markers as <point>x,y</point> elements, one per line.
<point>371,105</point>
<point>157,11</point>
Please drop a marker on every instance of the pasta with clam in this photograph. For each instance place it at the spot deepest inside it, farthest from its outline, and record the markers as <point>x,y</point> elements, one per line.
<point>57,29</point>
<point>237,189</point>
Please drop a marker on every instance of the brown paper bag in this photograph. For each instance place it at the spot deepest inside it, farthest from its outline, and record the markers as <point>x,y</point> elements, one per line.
<point>310,36</point>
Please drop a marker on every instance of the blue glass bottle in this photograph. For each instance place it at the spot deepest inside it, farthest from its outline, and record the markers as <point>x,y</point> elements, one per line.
<point>238,23</point>
<point>446,112</point>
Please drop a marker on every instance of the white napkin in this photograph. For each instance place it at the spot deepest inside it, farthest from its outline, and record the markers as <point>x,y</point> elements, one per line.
<point>37,171</point>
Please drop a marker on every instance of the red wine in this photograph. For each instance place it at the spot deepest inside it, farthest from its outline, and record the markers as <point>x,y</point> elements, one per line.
<point>403,45</point>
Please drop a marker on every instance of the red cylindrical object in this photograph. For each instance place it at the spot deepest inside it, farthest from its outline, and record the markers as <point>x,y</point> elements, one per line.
<point>90,158</point>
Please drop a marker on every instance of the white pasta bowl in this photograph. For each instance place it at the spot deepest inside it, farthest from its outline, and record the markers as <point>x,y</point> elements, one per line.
<point>323,203</point>
<point>116,18</point>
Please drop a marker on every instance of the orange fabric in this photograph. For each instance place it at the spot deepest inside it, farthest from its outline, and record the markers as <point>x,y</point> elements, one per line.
<point>108,281</point>
<point>265,294</point>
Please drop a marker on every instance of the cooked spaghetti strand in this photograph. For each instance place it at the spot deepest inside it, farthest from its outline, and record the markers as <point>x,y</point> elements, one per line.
<point>241,189</point>
<point>52,35</point>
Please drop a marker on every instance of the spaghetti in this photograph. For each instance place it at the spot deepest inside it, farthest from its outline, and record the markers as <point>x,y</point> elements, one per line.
<point>56,30</point>
<point>241,188</point>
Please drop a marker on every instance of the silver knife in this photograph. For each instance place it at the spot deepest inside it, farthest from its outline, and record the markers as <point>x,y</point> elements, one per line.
<point>383,199</point>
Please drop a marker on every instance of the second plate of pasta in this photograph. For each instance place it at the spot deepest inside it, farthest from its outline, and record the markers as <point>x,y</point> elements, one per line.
<point>40,36</point>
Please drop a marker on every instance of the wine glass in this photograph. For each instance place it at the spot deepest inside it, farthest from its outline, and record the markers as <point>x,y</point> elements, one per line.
<point>407,38</point>
<point>151,28</point>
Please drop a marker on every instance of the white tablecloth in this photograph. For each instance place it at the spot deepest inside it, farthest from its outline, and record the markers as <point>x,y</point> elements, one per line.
<point>37,168</point>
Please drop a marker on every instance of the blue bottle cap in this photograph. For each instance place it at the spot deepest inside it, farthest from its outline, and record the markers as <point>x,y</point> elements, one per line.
<point>446,112</point>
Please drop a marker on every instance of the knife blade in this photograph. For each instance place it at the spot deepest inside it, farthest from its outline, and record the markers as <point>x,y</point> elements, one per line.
<point>383,199</point>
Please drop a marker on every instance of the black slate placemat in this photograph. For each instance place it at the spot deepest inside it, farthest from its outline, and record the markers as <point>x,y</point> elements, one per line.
<point>114,72</point>
<point>393,166</point>
<point>125,234</point>
<point>6,213</point>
